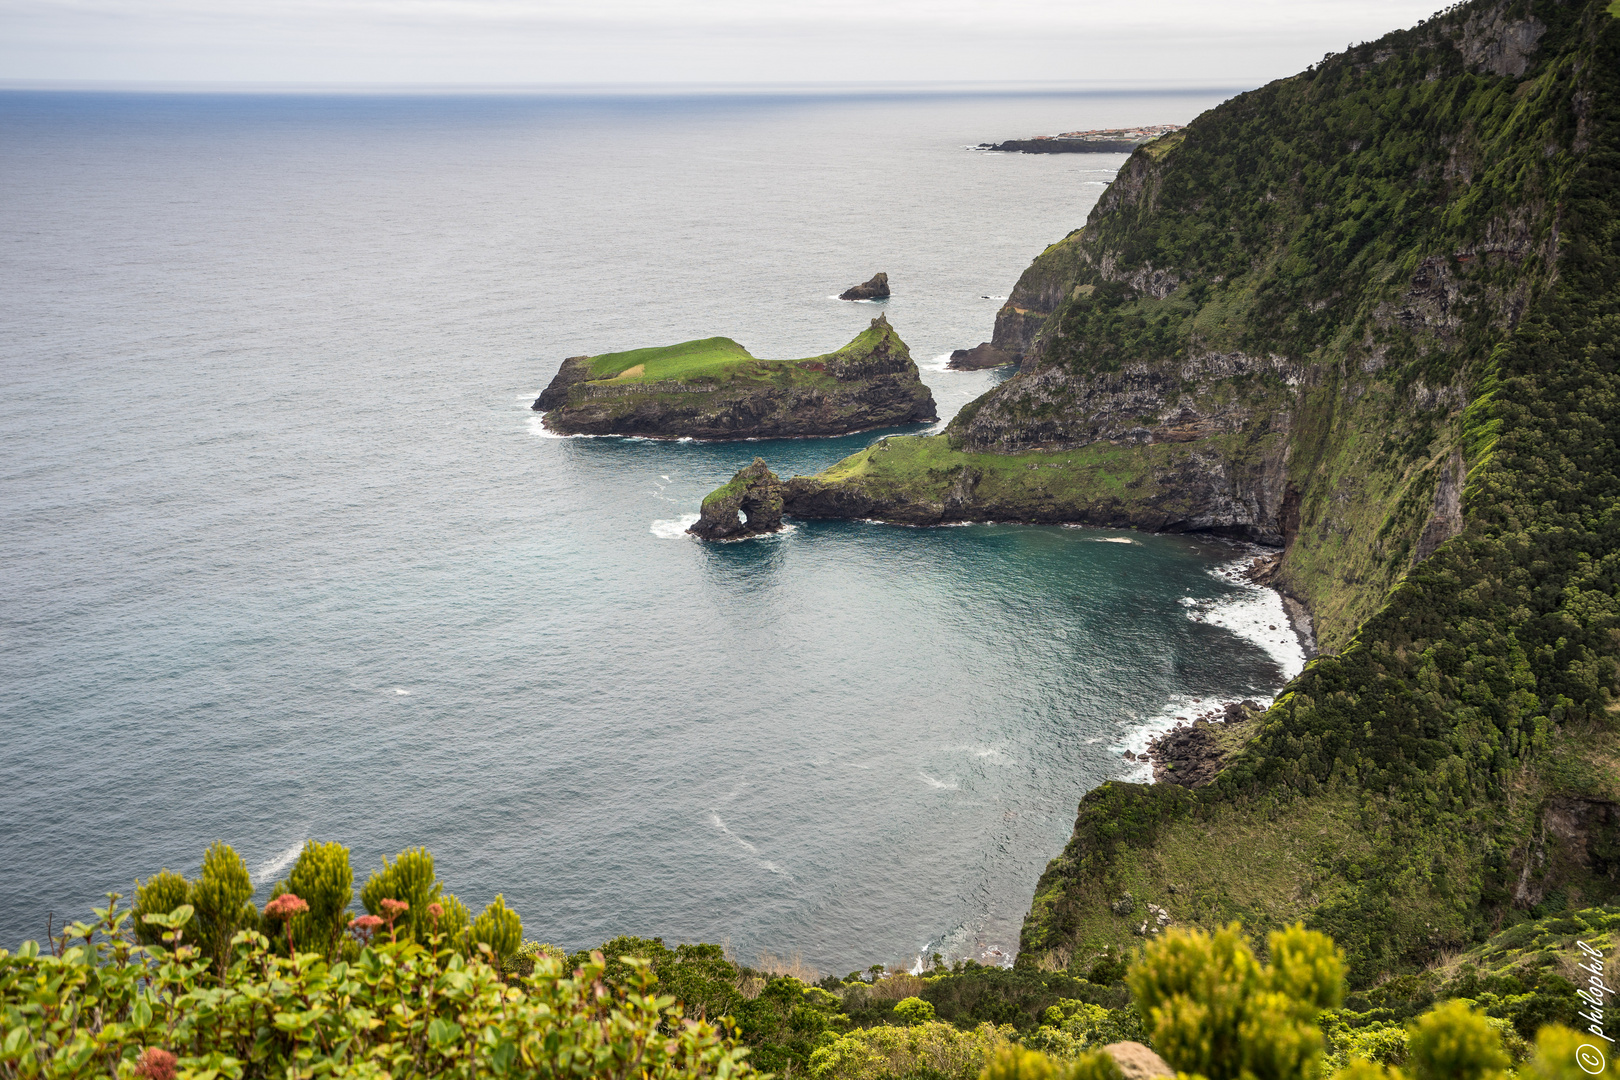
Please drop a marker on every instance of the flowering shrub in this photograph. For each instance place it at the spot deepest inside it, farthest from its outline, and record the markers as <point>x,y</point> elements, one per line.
<point>97,1004</point>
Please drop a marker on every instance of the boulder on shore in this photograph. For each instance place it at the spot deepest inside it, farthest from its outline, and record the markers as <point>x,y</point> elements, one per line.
<point>876,289</point>
<point>982,355</point>
<point>748,505</point>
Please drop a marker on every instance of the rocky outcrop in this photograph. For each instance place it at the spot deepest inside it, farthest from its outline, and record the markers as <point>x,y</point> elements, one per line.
<point>1446,520</point>
<point>1137,1062</point>
<point>1190,754</point>
<point>575,369</point>
<point>983,355</point>
<point>870,383</point>
<point>750,504</point>
<point>875,289</point>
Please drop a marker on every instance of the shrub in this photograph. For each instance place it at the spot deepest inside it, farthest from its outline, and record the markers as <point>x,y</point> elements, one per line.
<point>914,1010</point>
<point>934,1048</point>
<point>323,878</point>
<point>399,1010</point>
<point>1213,1009</point>
<point>497,926</point>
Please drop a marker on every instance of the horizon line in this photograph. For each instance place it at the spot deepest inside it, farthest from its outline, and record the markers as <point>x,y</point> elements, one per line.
<point>896,88</point>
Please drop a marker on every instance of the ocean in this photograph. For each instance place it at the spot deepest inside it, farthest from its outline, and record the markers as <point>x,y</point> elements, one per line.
<point>287,554</point>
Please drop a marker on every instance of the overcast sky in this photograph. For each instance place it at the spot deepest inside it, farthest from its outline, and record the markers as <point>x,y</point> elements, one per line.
<point>534,42</point>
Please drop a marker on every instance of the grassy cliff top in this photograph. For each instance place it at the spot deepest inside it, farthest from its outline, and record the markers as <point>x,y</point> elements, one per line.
<point>723,358</point>
<point>706,356</point>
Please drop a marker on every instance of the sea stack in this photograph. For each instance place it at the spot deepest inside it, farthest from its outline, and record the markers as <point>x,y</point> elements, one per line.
<point>750,504</point>
<point>876,289</point>
<point>983,355</point>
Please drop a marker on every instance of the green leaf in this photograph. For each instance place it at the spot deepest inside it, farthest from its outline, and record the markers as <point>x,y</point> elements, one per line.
<point>443,1033</point>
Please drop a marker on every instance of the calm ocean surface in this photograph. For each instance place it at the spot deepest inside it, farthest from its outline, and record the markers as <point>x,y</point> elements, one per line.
<point>286,554</point>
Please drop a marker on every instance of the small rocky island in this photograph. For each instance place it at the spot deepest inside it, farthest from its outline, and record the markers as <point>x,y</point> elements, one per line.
<point>981,356</point>
<point>714,389</point>
<point>749,504</point>
<point>1099,141</point>
<point>876,289</point>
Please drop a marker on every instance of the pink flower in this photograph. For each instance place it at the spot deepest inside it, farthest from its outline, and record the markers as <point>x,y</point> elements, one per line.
<point>155,1064</point>
<point>436,910</point>
<point>285,906</point>
<point>364,926</point>
<point>395,908</point>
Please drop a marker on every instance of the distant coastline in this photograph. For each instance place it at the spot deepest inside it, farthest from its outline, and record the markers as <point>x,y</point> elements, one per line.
<point>1098,141</point>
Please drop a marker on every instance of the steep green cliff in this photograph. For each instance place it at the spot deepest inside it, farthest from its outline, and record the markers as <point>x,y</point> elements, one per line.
<point>1370,313</point>
<point>1273,321</point>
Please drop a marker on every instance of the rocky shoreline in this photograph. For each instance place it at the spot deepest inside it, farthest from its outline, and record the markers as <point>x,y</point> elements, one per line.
<point>1193,752</point>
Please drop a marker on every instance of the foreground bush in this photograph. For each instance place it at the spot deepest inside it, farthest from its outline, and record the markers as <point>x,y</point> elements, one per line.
<point>929,1048</point>
<point>106,1007</point>
<point>1214,1011</point>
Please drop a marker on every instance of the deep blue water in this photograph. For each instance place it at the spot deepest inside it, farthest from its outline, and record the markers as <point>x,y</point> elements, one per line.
<point>287,555</point>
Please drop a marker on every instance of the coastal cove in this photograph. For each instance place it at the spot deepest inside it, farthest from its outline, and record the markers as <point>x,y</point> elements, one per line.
<point>316,537</point>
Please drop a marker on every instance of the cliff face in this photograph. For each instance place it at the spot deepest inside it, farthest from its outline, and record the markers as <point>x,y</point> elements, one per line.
<point>1272,322</point>
<point>726,394</point>
<point>1451,772</point>
<point>1371,313</point>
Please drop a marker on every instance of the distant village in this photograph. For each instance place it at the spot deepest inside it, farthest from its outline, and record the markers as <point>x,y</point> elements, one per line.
<point>1135,134</point>
<point>1099,141</point>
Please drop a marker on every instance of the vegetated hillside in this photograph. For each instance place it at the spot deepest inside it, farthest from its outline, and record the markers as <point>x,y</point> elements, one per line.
<point>1458,765</point>
<point>1369,312</point>
<point>1273,321</point>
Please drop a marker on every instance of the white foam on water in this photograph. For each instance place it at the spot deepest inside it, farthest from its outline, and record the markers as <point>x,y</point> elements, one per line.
<point>401,690</point>
<point>979,750</point>
<point>1101,539</point>
<point>766,864</point>
<point>1251,612</point>
<point>275,865</point>
<point>714,819</point>
<point>1254,613</point>
<point>941,785</point>
<point>938,363</point>
<point>668,529</point>
<point>537,428</point>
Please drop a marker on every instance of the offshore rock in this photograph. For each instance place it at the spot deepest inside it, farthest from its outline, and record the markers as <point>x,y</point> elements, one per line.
<point>982,355</point>
<point>728,394</point>
<point>750,504</point>
<point>876,289</point>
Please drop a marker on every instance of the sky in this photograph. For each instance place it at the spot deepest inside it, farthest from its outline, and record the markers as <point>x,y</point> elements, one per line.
<point>522,43</point>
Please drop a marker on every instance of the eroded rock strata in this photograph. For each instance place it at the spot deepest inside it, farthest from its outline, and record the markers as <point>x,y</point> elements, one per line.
<point>872,382</point>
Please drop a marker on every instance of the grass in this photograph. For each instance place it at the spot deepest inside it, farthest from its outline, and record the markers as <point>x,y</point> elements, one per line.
<point>925,466</point>
<point>716,358</point>
<point>708,356</point>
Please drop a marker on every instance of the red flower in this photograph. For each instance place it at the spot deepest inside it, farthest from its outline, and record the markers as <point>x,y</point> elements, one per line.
<point>285,906</point>
<point>155,1064</point>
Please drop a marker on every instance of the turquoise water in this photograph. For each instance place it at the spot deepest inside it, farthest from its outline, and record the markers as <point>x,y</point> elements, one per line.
<point>287,555</point>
